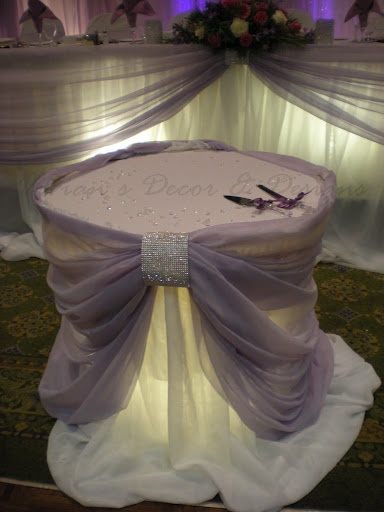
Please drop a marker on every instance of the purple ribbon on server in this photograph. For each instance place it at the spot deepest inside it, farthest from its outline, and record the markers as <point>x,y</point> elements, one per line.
<point>280,201</point>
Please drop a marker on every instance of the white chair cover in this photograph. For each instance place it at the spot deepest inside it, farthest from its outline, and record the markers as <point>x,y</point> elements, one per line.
<point>102,23</point>
<point>375,27</point>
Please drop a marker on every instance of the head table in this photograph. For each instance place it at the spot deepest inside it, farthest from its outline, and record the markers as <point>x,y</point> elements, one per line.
<point>323,103</point>
<point>189,361</point>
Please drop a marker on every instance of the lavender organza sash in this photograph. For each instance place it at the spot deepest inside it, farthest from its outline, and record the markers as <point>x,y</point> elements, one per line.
<point>310,85</point>
<point>80,98</point>
<point>63,111</point>
<point>275,378</point>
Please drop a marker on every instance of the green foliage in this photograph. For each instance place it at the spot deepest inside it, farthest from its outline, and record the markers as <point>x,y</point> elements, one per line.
<point>241,25</point>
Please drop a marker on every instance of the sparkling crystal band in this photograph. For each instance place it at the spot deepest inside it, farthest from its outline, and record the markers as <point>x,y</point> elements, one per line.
<point>164,259</point>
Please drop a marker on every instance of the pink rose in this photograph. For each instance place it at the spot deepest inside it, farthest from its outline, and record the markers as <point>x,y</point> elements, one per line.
<point>246,11</point>
<point>295,27</point>
<point>214,40</point>
<point>228,3</point>
<point>261,18</point>
<point>245,40</point>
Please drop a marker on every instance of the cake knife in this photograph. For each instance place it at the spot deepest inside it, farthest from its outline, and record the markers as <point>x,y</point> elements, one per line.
<point>259,204</point>
<point>272,192</point>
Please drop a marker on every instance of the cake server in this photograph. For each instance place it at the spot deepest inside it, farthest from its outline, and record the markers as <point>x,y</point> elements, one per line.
<point>289,203</point>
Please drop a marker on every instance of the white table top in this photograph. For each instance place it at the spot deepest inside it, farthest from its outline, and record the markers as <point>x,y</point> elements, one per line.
<point>179,191</point>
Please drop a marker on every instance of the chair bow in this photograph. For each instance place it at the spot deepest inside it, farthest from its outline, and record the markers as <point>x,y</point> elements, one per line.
<point>131,8</point>
<point>36,12</point>
<point>362,8</point>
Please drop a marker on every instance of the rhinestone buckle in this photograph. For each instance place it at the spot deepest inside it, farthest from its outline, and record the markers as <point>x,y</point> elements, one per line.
<point>164,259</point>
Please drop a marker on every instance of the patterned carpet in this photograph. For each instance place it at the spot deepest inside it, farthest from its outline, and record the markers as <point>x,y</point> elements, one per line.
<point>351,304</point>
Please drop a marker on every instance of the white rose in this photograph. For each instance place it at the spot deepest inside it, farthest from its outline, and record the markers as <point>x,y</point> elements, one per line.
<point>239,27</point>
<point>200,32</point>
<point>279,18</point>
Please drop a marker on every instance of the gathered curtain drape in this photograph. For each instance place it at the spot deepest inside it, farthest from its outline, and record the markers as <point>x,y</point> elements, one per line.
<point>97,108</point>
<point>106,111</point>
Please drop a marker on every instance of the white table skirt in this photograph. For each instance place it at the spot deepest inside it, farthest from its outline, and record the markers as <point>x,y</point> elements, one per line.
<point>179,442</point>
<point>177,439</point>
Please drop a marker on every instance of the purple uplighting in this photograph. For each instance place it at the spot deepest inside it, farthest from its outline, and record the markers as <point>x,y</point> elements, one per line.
<point>318,8</point>
<point>184,5</point>
<point>325,8</point>
<point>188,5</point>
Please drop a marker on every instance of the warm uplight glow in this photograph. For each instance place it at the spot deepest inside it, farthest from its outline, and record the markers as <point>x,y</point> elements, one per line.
<point>335,148</point>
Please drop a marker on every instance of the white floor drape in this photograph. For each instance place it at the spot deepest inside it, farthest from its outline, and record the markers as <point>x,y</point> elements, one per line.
<point>163,446</point>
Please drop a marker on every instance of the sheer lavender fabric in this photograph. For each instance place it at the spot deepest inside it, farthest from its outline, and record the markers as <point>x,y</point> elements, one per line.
<point>309,80</point>
<point>162,79</point>
<point>275,376</point>
<point>317,80</point>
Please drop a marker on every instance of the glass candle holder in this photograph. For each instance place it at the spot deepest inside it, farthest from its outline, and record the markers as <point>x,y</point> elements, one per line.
<point>153,32</point>
<point>325,31</point>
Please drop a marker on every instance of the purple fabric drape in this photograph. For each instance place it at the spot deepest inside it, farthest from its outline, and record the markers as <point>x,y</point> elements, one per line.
<point>305,88</point>
<point>275,379</point>
<point>175,75</point>
<point>76,109</point>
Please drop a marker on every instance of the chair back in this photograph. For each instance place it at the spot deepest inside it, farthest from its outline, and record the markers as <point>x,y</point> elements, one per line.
<point>102,23</point>
<point>375,27</point>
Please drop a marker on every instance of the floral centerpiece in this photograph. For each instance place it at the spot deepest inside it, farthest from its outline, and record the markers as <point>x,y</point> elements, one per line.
<point>241,25</point>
